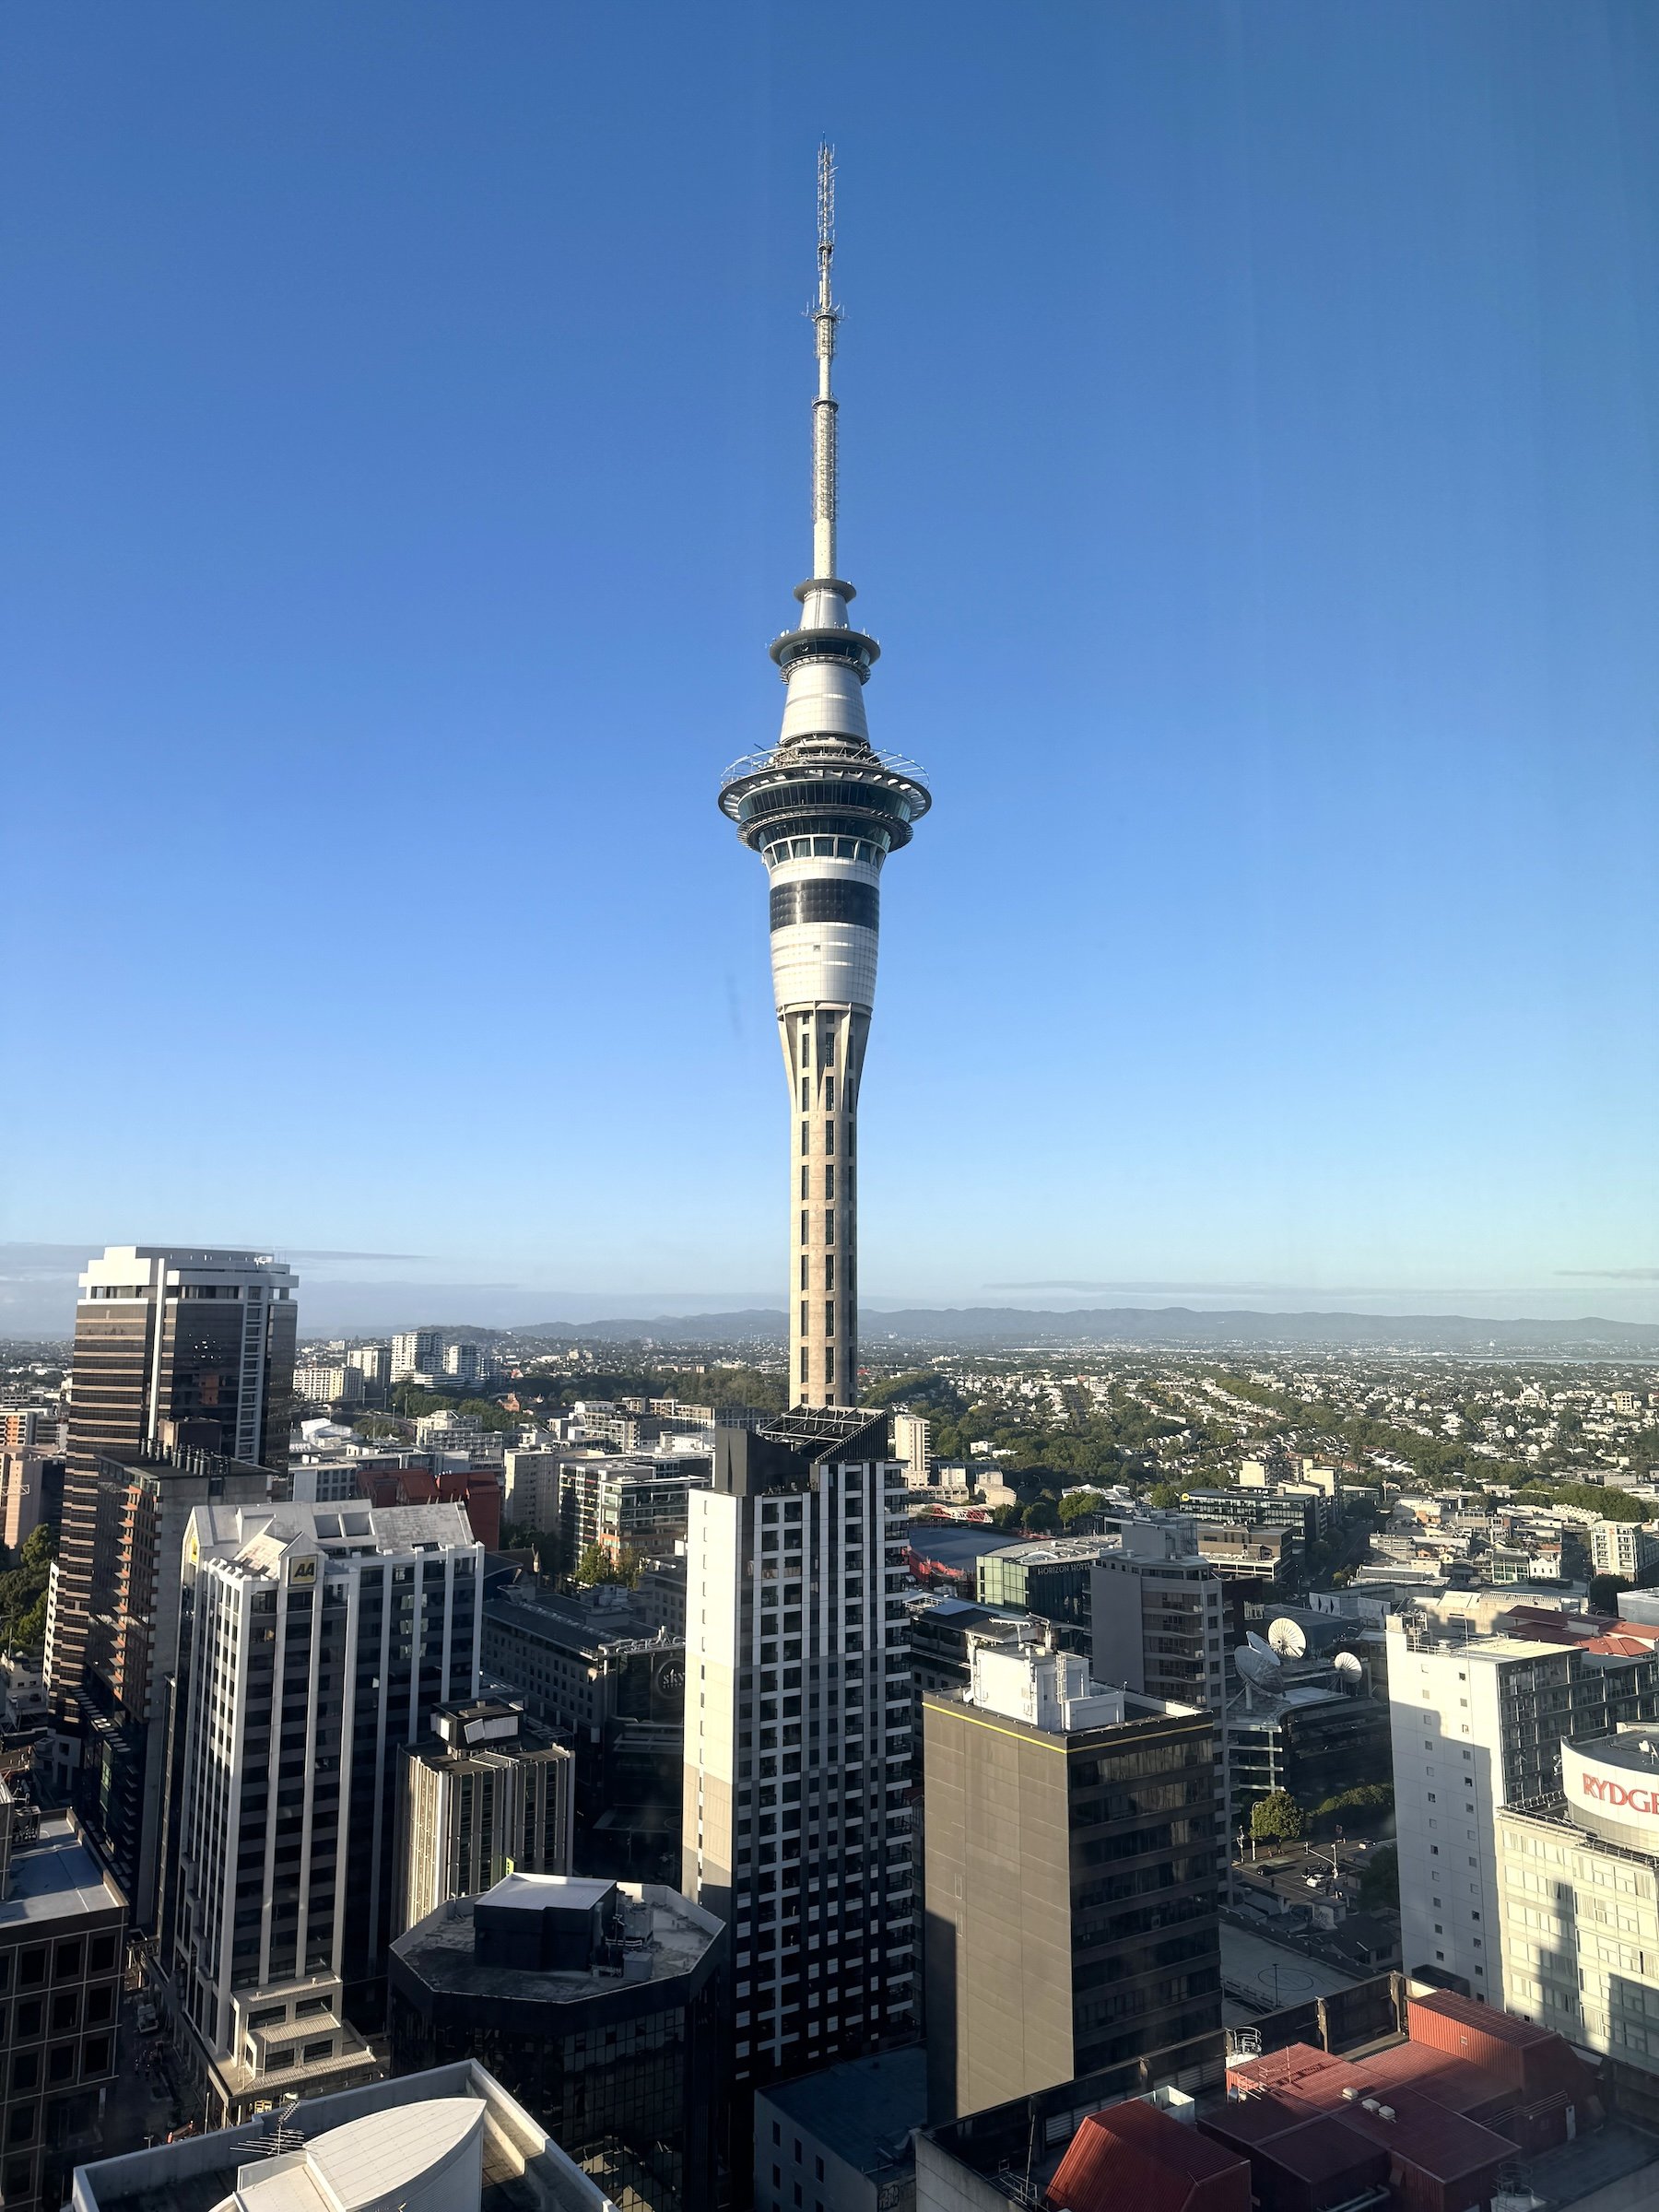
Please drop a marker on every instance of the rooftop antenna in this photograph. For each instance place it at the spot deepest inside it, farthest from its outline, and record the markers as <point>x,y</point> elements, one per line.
<point>825,316</point>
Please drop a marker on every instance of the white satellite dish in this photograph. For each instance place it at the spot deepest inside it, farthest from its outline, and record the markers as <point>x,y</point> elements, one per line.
<point>1258,1644</point>
<point>1350,1667</point>
<point>1256,1666</point>
<point>1288,1638</point>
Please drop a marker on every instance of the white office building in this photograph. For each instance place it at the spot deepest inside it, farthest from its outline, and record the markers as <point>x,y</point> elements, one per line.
<point>798,1729</point>
<point>314,1643</point>
<point>373,1362</point>
<point>1477,1725</point>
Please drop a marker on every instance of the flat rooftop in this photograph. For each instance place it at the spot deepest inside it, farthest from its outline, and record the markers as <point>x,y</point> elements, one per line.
<point>440,1950</point>
<point>56,1876</point>
<point>862,2110</point>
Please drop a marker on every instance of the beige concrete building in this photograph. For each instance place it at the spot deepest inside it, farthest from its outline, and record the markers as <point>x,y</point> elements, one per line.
<point>492,1794</point>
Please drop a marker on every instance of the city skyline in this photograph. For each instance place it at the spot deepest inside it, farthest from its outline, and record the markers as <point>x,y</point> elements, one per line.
<point>1298,534</point>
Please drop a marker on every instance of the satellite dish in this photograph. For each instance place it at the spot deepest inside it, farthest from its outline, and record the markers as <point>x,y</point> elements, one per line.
<point>1256,1666</point>
<point>1257,1643</point>
<point>1287,1639</point>
<point>1348,1666</point>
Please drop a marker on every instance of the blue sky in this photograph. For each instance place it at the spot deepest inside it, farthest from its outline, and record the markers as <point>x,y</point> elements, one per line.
<point>1251,449</point>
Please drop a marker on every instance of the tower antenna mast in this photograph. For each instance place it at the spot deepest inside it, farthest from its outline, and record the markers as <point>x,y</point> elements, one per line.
<point>825,317</point>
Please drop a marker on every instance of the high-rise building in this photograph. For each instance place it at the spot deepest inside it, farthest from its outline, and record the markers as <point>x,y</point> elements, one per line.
<point>416,1352</point>
<point>1072,1882</point>
<point>31,1491</point>
<point>315,1641</point>
<point>1477,1726</point>
<point>597,2004</point>
<point>796,1821</point>
<point>913,1447</point>
<point>164,1336</point>
<point>144,1502</point>
<point>373,1362</point>
<point>490,1793</point>
<point>466,1361</point>
<point>1161,1618</point>
<point>1623,1548</point>
<point>824,810</point>
<point>32,1429</point>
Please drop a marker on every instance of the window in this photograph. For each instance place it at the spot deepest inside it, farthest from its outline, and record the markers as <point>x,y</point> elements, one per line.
<point>31,1966</point>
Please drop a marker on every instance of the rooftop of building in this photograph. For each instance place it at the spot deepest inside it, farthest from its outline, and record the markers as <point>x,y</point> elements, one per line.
<point>1134,2154</point>
<point>524,2170</point>
<point>606,1615</point>
<point>440,1950</point>
<point>1056,1551</point>
<point>56,1876</point>
<point>862,2110</point>
<point>252,1539</point>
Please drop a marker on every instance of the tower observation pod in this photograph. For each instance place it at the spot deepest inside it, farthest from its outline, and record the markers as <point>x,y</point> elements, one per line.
<point>824,810</point>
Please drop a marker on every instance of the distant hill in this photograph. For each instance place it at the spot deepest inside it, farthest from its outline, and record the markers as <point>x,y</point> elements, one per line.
<point>1171,1326</point>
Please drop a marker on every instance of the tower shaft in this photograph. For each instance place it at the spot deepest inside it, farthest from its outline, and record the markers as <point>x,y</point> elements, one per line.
<point>824,810</point>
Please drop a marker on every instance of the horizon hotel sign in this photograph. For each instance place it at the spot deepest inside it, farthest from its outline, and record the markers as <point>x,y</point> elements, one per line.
<point>1612,1798</point>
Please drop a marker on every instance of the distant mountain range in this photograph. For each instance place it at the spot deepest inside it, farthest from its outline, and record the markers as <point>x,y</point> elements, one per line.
<point>1172,1326</point>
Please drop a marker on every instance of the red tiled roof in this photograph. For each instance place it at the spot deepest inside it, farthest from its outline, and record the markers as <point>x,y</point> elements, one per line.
<point>1134,2155</point>
<point>1423,2133</point>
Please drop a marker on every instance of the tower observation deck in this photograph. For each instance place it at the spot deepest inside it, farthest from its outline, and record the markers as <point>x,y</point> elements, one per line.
<point>824,809</point>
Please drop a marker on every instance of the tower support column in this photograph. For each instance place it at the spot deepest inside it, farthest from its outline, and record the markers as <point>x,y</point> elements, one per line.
<point>823,1055</point>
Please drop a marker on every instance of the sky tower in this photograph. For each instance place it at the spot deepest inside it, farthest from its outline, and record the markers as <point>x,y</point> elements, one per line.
<point>824,809</point>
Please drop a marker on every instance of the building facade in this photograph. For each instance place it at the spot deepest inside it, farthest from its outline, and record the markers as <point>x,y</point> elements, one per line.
<point>1579,1879</point>
<point>824,810</point>
<point>205,1337</point>
<point>1072,1865</point>
<point>1163,1619</point>
<point>1623,1548</point>
<point>416,1352</point>
<point>1477,1725</point>
<point>796,1825</point>
<point>63,1943</point>
<point>597,2005</point>
<point>491,1794</point>
<point>315,1643</point>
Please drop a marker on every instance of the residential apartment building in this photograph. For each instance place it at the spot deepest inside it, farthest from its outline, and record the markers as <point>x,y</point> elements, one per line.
<point>1477,1725</point>
<point>491,1792</point>
<point>163,1335</point>
<point>1623,1548</point>
<point>33,1428</point>
<point>1163,1619</point>
<point>144,1508</point>
<point>315,1642</point>
<point>31,1491</point>
<point>373,1362</point>
<point>621,1505</point>
<point>1072,1866</point>
<point>797,1824</point>
<point>912,1447</point>
<point>416,1352</point>
<point>341,1384</point>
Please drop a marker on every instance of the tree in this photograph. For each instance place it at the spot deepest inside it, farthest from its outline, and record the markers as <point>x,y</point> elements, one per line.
<point>1275,1819</point>
<point>1164,1496</point>
<point>1077,1504</point>
<point>1603,1592</point>
<point>1380,1881</point>
<point>1041,1519</point>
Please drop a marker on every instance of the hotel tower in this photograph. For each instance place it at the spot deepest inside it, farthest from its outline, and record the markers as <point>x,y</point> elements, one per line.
<point>824,809</point>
